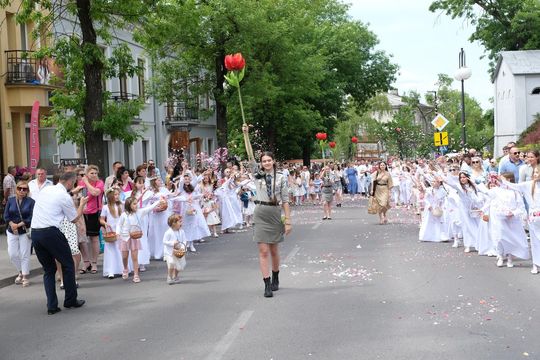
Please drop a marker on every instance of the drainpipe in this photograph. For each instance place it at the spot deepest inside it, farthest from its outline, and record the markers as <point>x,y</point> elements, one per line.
<point>157,130</point>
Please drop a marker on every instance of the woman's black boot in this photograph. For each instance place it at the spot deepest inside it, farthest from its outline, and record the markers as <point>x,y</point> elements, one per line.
<point>267,287</point>
<point>275,280</point>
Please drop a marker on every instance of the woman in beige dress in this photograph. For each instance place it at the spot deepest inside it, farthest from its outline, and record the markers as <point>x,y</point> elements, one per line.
<point>382,183</point>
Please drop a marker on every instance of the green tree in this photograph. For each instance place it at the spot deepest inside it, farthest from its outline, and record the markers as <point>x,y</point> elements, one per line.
<point>82,111</point>
<point>499,24</point>
<point>303,57</point>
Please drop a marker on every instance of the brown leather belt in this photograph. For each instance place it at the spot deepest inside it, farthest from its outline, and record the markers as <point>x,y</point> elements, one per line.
<point>267,203</point>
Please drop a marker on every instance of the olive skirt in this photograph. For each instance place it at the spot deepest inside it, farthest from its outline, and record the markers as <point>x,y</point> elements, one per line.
<point>267,225</point>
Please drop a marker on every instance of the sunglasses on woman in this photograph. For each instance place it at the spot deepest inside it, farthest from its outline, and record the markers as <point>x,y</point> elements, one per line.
<point>22,188</point>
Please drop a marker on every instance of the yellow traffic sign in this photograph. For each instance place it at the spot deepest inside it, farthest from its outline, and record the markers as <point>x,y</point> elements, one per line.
<point>440,138</point>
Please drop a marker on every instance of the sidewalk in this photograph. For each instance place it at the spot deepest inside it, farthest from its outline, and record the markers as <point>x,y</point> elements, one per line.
<point>8,273</point>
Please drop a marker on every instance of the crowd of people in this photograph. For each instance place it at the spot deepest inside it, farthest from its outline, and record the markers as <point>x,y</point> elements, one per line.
<point>483,204</point>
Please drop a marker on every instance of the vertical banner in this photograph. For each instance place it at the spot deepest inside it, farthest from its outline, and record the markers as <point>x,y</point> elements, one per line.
<point>34,137</point>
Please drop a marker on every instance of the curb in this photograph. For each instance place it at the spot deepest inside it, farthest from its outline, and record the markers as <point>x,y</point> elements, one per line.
<point>11,279</point>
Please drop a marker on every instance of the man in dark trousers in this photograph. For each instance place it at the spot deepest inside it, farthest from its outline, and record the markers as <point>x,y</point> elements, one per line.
<point>53,205</point>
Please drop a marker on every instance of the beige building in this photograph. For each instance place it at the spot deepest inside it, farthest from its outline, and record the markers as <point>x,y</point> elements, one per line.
<point>24,80</point>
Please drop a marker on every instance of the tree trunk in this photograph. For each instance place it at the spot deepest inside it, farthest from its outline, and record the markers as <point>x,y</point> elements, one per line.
<point>306,155</point>
<point>221,109</point>
<point>93,102</point>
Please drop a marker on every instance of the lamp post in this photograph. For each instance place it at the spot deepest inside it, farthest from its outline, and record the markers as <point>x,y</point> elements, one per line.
<point>462,74</point>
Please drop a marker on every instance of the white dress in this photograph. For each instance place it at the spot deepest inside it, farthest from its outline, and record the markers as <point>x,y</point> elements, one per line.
<point>112,256</point>
<point>469,208</point>
<point>452,214</point>
<point>195,226</point>
<point>143,256</point>
<point>434,228</point>
<point>486,245</point>
<point>508,230</point>
<point>231,212</point>
<point>212,217</point>
<point>405,188</point>
<point>525,189</point>
<point>169,239</point>
<point>157,225</point>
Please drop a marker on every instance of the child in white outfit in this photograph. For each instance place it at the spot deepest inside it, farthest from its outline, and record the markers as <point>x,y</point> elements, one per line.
<point>174,238</point>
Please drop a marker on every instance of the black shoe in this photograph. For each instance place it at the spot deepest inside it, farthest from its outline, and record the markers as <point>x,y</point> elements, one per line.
<point>275,280</point>
<point>53,311</point>
<point>77,304</point>
<point>267,287</point>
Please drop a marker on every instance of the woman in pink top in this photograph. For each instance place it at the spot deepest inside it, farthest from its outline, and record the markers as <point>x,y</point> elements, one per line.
<point>123,180</point>
<point>93,188</point>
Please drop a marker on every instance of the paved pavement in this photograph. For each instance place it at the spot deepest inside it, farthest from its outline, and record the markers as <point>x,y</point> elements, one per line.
<point>8,273</point>
<point>351,289</point>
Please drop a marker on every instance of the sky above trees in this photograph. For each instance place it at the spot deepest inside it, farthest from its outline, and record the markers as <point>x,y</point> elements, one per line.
<point>425,44</point>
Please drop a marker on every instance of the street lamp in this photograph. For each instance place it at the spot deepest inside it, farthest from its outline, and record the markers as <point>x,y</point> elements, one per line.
<point>462,74</point>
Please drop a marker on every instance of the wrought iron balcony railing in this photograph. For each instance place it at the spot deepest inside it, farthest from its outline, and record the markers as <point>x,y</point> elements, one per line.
<point>118,96</point>
<point>178,114</point>
<point>24,68</point>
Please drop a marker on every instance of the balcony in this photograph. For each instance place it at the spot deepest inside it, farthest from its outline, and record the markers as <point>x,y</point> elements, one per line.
<point>120,96</point>
<point>25,69</point>
<point>179,116</point>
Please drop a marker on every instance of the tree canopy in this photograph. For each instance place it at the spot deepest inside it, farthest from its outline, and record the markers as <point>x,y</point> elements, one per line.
<point>303,58</point>
<point>499,24</point>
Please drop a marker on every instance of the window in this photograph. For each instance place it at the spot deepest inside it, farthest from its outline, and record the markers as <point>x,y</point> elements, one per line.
<point>123,87</point>
<point>126,156</point>
<point>210,149</point>
<point>536,91</point>
<point>24,39</point>
<point>145,150</point>
<point>140,77</point>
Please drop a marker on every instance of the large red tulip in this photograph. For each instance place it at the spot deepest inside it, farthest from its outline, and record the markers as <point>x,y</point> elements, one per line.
<point>354,139</point>
<point>235,62</point>
<point>332,144</point>
<point>321,136</point>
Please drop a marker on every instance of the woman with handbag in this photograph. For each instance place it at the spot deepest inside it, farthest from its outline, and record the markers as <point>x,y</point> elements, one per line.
<point>268,227</point>
<point>130,232</point>
<point>18,216</point>
<point>380,193</point>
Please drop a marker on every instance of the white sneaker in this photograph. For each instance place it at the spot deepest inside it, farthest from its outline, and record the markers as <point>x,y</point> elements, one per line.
<point>215,235</point>
<point>534,270</point>
<point>176,280</point>
<point>500,261</point>
<point>192,248</point>
<point>170,281</point>
<point>509,263</point>
<point>467,249</point>
<point>456,243</point>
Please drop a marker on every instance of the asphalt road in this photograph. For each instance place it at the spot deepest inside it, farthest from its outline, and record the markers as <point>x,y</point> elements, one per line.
<point>350,289</point>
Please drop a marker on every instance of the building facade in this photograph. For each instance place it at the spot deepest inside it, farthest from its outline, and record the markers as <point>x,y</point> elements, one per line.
<point>165,128</point>
<point>517,95</point>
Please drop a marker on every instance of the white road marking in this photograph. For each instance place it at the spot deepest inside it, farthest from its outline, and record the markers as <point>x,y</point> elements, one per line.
<point>226,341</point>
<point>314,227</point>
<point>292,254</point>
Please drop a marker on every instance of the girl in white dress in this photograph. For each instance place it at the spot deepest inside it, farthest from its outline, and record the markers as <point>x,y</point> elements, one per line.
<point>231,214</point>
<point>157,220</point>
<point>110,214</point>
<point>128,226</point>
<point>174,237</point>
<point>142,195</point>
<point>452,214</point>
<point>469,207</point>
<point>531,191</point>
<point>405,187</point>
<point>194,222</point>
<point>506,211</point>
<point>433,227</point>
<point>210,209</point>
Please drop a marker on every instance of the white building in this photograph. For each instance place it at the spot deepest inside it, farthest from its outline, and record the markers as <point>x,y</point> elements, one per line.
<point>517,94</point>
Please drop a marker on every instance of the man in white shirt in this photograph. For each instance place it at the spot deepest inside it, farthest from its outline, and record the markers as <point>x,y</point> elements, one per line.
<point>53,205</point>
<point>39,183</point>
<point>361,169</point>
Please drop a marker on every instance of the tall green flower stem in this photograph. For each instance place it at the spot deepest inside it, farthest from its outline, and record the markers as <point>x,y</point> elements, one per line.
<point>247,143</point>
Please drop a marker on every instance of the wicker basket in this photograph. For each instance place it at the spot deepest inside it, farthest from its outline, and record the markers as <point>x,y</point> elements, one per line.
<point>135,232</point>
<point>179,251</point>
<point>191,211</point>
<point>161,208</point>
<point>437,212</point>
<point>109,235</point>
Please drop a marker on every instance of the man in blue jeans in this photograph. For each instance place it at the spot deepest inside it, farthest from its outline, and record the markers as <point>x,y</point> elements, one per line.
<point>53,205</point>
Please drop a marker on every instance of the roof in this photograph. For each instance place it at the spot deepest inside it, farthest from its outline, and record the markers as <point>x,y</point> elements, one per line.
<point>519,62</point>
